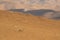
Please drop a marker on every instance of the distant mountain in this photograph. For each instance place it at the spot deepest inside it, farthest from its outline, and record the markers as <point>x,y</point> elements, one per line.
<point>46,13</point>
<point>39,12</point>
<point>33,12</point>
<point>52,15</point>
<point>17,10</point>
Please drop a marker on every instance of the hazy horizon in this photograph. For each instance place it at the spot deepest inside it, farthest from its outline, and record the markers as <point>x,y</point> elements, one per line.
<point>29,4</point>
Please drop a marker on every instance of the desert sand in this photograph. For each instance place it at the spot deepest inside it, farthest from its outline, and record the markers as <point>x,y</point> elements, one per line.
<point>18,26</point>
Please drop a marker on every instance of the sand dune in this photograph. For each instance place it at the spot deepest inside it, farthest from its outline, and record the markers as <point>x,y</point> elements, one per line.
<point>18,26</point>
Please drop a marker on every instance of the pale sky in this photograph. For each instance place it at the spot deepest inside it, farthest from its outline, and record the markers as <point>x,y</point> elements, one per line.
<point>32,4</point>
